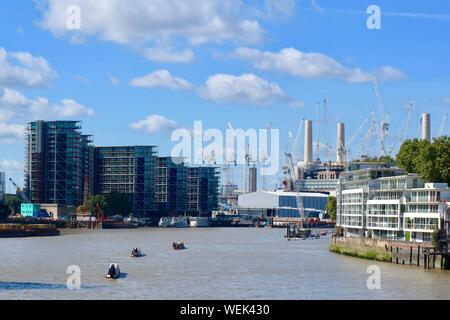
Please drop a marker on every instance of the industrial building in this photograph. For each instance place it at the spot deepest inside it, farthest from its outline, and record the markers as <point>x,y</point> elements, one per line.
<point>383,202</point>
<point>171,186</point>
<point>282,204</point>
<point>252,179</point>
<point>202,191</point>
<point>130,170</point>
<point>55,165</point>
<point>317,176</point>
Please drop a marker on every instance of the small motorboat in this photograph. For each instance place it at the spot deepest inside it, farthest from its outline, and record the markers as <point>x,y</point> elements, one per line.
<point>136,253</point>
<point>178,246</point>
<point>113,271</point>
<point>323,233</point>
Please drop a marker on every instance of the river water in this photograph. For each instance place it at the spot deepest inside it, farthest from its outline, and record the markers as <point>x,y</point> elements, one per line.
<point>228,263</point>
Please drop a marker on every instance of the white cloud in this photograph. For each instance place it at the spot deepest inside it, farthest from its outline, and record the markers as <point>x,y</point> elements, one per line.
<point>23,69</point>
<point>246,89</point>
<point>274,9</point>
<point>70,109</point>
<point>161,78</point>
<point>197,22</point>
<point>168,55</point>
<point>11,166</point>
<point>83,80</point>
<point>14,105</point>
<point>446,100</point>
<point>154,123</point>
<point>311,65</point>
<point>113,80</point>
<point>10,133</point>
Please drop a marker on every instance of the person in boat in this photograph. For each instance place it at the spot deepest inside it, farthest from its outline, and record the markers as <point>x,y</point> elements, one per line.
<point>112,270</point>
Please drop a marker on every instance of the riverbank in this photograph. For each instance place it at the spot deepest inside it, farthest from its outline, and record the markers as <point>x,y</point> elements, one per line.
<point>21,230</point>
<point>364,253</point>
<point>403,253</point>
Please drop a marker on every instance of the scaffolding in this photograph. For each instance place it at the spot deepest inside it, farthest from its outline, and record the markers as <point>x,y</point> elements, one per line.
<point>55,163</point>
<point>170,186</point>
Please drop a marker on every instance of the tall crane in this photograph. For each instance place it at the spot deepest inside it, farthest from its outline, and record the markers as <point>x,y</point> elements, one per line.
<point>325,128</point>
<point>370,133</point>
<point>384,118</point>
<point>264,159</point>
<point>291,175</point>
<point>21,193</point>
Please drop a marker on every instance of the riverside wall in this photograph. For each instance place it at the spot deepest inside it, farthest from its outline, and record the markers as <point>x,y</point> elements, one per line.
<point>402,253</point>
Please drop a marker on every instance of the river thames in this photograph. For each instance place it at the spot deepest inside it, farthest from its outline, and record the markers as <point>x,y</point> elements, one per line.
<point>228,263</point>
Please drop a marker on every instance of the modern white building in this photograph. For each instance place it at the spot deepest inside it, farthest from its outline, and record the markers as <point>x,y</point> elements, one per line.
<point>386,203</point>
<point>281,204</point>
<point>426,209</point>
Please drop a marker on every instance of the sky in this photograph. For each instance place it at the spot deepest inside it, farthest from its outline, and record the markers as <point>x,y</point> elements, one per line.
<point>132,72</point>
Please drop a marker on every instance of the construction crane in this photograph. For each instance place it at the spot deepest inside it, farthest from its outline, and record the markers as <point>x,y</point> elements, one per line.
<point>411,108</point>
<point>292,176</point>
<point>325,125</point>
<point>384,118</point>
<point>443,124</point>
<point>318,133</point>
<point>21,193</point>
<point>296,140</point>
<point>363,151</point>
<point>264,159</point>
<point>351,142</point>
<point>247,158</point>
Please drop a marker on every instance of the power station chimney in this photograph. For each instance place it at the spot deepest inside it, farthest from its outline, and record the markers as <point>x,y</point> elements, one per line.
<point>308,145</point>
<point>426,129</point>
<point>340,154</point>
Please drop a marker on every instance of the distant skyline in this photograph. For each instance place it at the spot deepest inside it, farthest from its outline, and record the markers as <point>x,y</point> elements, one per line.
<point>134,74</point>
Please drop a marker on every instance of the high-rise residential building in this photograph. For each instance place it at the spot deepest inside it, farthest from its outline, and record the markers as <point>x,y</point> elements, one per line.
<point>202,190</point>
<point>171,186</point>
<point>54,162</point>
<point>2,187</point>
<point>129,170</point>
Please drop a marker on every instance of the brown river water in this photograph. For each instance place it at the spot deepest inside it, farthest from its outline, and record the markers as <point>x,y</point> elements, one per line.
<point>222,263</point>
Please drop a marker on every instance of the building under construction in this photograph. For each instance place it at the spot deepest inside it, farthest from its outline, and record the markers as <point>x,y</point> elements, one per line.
<point>171,186</point>
<point>128,170</point>
<point>57,159</point>
<point>62,167</point>
<point>202,190</point>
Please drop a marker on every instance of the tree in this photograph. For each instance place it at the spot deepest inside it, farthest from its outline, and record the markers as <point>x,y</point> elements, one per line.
<point>429,160</point>
<point>442,161</point>
<point>118,203</point>
<point>408,154</point>
<point>331,207</point>
<point>93,200</point>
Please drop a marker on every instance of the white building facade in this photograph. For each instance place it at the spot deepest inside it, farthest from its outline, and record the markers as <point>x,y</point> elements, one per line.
<point>385,203</point>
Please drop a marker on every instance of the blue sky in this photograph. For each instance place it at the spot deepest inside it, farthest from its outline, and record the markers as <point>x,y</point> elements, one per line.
<point>297,53</point>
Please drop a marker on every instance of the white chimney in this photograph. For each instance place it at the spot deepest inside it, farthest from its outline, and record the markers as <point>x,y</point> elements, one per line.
<point>308,145</point>
<point>426,129</point>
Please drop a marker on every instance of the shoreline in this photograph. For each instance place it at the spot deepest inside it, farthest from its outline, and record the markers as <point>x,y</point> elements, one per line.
<point>399,253</point>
